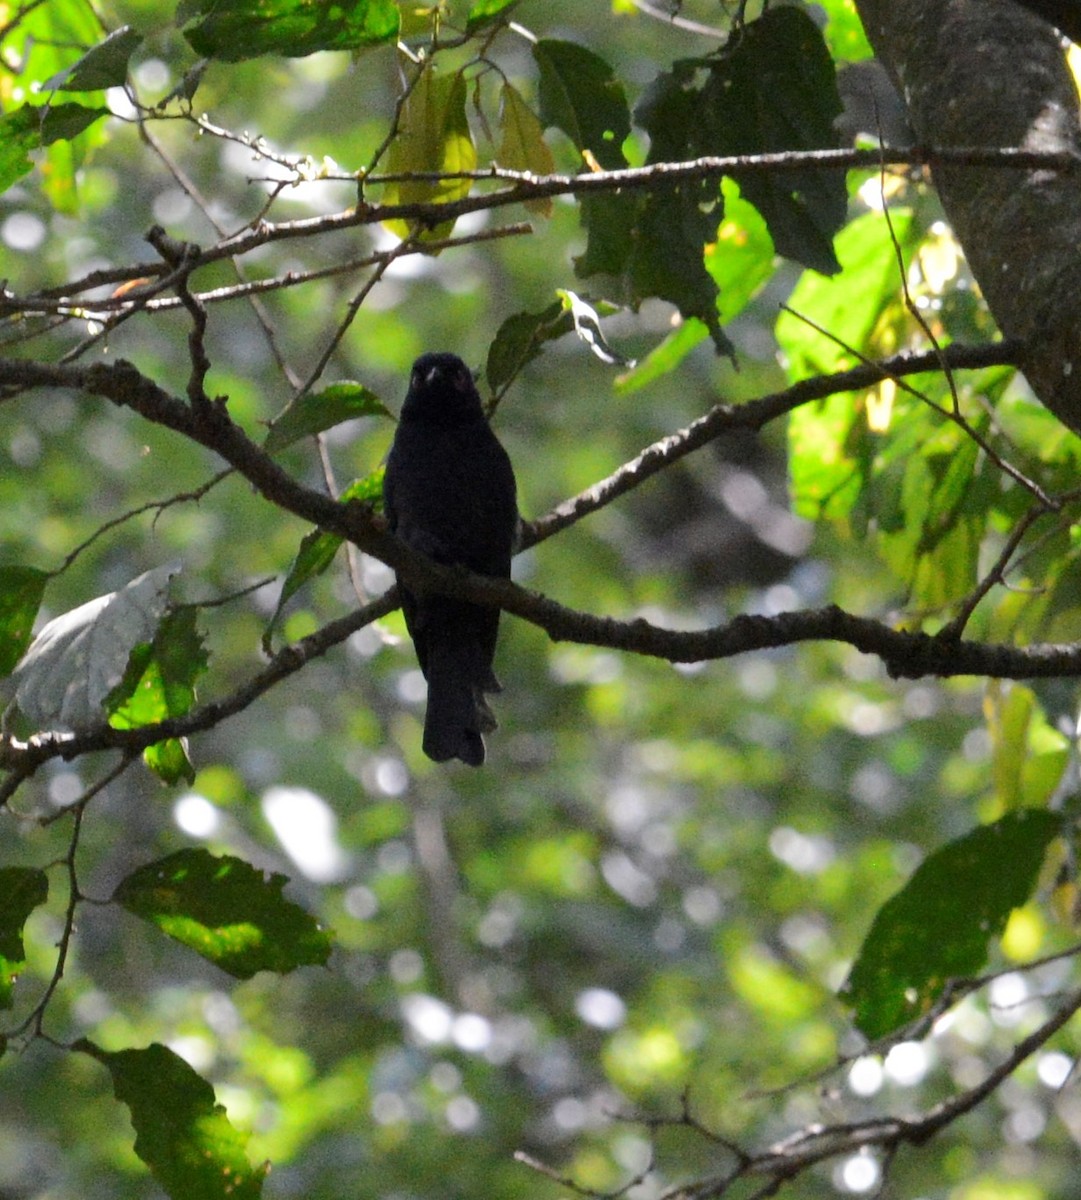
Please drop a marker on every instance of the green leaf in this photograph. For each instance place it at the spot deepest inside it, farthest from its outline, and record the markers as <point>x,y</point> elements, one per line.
<point>937,927</point>
<point>522,146</point>
<point>667,261</point>
<point>35,125</point>
<point>740,258</point>
<point>870,271</point>
<point>315,412</point>
<point>53,36</point>
<point>318,549</point>
<point>181,1133</point>
<point>582,96</point>
<point>675,224</point>
<point>225,910</point>
<point>233,30</point>
<point>159,683</point>
<point>170,761</point>
<point>22,889</point>
<point>1028,754</point>
<point>830,447</point>
<point>63,122</point>
<point>773,89</point>
<point>520,339</point>
<point>21,590</point>
<point>931,492</point>
<point>829,457</point>
<point>663,358</point>
<point>486,12</point>
<point>160,680</point>
<point>103,66</point>
<point>433,137</point>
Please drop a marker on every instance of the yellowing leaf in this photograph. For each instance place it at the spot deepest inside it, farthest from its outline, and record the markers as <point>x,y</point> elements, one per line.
<point>522,147</point>
<point>433,138</point>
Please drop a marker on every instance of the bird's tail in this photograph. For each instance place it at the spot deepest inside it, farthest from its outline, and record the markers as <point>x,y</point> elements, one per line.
<point>458,713</point>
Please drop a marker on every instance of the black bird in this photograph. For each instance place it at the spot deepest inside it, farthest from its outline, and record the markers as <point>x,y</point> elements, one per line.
<point>449,493</point>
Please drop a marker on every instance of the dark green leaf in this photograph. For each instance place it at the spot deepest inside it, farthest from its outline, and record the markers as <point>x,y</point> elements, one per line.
<point>484,12</point>
<point>609,222</point>
<point>314,412</point>
<point>22,889</point>
<point>675,224</point>
<point>670,237</point>
<point>580,94</point>
<point>103,66</point>
<point>225,910</point>
<point>62,122</point>
<point>938,926</point>
<point>775,89</point>
<point>181,1133</point>
<point>232,30</point>
<point>21,589</point>
<point>520,339</point>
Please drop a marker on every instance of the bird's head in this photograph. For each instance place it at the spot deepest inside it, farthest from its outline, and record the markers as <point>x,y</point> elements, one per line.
<point>441,389</point>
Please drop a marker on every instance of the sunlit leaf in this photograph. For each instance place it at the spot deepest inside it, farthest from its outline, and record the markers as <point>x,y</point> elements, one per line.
<point>160,683</point>
<point>937,927</point>
<point>224,909</point>
<point>484,12</point>
<point>522,146</point>
<point>1028,755</point>
<point>433,138</point>
<point>740,259</point>
<point>232,30</point>
<point>22,889</point>
<point>53,37</point>
<point>181,1133</point>
<point>870,271</point>
<point>830,451</point>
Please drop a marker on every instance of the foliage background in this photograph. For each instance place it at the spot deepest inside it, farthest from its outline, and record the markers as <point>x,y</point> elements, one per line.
<point>652,894</point>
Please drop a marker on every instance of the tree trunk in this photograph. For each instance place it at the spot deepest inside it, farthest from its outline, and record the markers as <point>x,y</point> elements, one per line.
<point>988,73</point>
